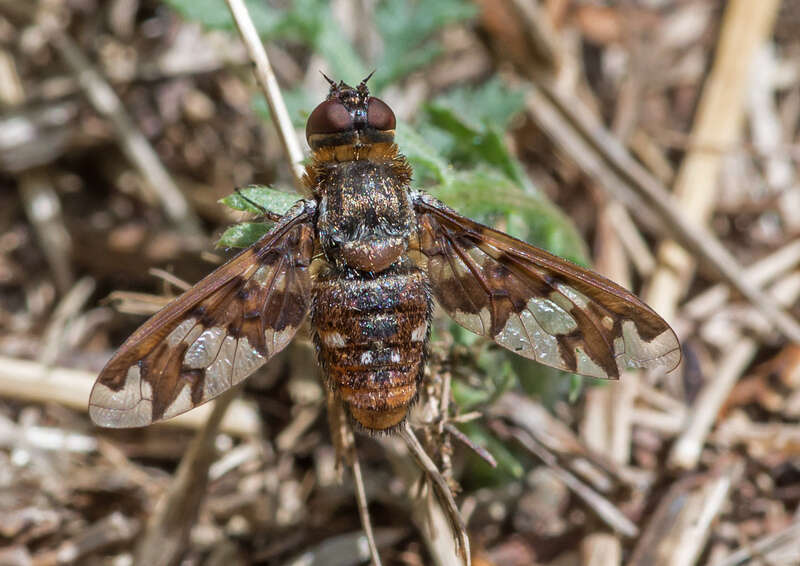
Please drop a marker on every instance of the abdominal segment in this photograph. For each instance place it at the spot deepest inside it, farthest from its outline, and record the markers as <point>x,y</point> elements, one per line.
<point>371,333</point>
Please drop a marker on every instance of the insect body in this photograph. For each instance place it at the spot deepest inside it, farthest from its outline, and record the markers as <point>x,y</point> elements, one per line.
<point>366,257</point>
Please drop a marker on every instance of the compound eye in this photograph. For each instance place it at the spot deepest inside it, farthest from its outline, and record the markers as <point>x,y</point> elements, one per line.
<point>379,115</point>
<point>329,117</point>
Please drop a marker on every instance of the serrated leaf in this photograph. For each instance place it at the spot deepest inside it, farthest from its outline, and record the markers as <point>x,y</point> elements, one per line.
<point>273,200</point>
<point>491,102</point>
<point>243,235</point>
<point>475,119</point>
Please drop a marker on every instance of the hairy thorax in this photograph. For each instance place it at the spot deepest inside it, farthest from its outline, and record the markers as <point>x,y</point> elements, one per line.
<point>365,211</point>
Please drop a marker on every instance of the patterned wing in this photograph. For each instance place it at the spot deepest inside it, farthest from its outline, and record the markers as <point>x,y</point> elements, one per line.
<point>214,335</point>
<point>534,303</point>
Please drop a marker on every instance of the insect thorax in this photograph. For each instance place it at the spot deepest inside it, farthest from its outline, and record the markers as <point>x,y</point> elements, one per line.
<point>365,211</point>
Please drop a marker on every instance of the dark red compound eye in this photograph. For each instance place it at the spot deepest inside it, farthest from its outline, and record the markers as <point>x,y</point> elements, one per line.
<point>329,117</point>
<point>379,115</point>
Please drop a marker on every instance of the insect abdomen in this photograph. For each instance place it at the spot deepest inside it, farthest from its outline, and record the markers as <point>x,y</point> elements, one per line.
<point>371,332</point>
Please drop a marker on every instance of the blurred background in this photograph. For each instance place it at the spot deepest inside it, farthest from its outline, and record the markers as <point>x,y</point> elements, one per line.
<point>567,123</point>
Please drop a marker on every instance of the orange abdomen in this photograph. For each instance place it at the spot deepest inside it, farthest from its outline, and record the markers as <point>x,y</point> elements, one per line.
<point>371,332</point>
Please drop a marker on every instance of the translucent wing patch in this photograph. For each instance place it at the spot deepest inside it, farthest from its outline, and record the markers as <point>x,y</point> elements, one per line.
<point>533,303</point>
<point>214,335</point>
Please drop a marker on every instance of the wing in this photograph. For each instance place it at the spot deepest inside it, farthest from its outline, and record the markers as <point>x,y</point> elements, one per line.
<point>214,335</point>
<point>536,304</point>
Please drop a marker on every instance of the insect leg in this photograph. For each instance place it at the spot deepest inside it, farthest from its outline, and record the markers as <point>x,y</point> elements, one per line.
<point>264,213</point>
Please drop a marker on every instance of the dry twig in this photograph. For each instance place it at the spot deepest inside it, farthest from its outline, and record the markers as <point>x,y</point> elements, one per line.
<point>678,529</point>
<point>69,306</point>
<point>788,538</point>
<point>134,144</point>
<point>601,549</point>
<point>720,112</point>
<point>600,155</point>
<point>43,208</point>
<point>344,442</point>
<point>167,532</point>
<point>442,492</point>
<point>686,451</point>
<point>760,273</point>
<point>108,532</point>
<point>31,381</point>
<point>606,510</point>
<point>272,92</point>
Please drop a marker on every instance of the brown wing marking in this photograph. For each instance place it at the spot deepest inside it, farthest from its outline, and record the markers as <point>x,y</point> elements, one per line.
<point>215,334</point>
<point>534,303</point>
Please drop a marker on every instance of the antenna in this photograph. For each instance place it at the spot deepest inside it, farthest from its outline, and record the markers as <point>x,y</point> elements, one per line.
<point>364,82</point>
<point>330,82</point>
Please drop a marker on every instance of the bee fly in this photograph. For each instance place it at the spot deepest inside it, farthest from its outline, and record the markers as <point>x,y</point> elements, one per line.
<point>366,257</point>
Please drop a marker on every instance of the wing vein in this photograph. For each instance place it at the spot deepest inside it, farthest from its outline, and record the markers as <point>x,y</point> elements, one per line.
<point>444,239</point>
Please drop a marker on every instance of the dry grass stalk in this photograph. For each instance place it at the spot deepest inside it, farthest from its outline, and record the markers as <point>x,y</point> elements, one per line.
<point>38,383</point>
<point>108,532</point>
<point>787,540</point>
<point>601,505</point>
<point>631,240</point>
<point>70,306</point>
<point>345,445</point>
<point>601,549</point>
<point>685,453</point>
<point>44,211</point>
<point>558,438</point>
<point>272,92</point>
<point>614,404</point>
<point>677,531</point>
<point>133,142</point>
<point>436,503</point>
<point>600,155</point>
<point>167,533</point>
<point>718,122</point>
<point>760,273</point>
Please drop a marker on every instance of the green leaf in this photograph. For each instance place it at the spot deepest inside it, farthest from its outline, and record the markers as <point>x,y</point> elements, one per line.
<point>428,164</point>
<point>467,397</point>
<point>407,28</point>
<point>547,384</point>
<point>576,386</point>
<point>488,196</point>
<point>492,363</point>
<point>509,467</point>
<point>254,198</point>
<point>243,235</point>
<point>476,119</point>
<point>265,197</point>
<point>214,14</point>
<point>491,102</point>
<point>345,63</point>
